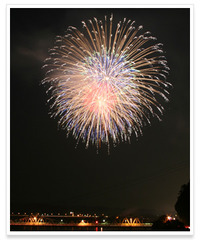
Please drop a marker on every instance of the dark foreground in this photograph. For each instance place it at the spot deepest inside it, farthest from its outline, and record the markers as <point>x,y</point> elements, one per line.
<point>85,228</point>
<point>76,228</point>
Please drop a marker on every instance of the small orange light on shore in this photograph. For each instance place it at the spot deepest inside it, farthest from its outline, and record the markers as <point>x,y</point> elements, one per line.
<point>169,218</point>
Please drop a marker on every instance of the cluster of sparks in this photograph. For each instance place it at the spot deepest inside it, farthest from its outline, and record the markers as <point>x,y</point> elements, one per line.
<point>104,81</point>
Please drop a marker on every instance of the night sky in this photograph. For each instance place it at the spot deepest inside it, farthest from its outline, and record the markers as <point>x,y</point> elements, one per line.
<point>48,172</point>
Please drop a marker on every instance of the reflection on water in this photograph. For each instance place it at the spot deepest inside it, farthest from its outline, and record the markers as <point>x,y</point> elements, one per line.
<point>75,228</point>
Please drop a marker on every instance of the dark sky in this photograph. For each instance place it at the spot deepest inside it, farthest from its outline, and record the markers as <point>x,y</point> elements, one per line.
<point>48,172</point>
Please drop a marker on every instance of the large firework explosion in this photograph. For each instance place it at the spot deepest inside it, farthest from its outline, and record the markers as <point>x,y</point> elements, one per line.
<point>104,81</point>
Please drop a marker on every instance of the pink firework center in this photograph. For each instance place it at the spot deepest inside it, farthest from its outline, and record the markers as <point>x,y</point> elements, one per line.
<point>100,99</point>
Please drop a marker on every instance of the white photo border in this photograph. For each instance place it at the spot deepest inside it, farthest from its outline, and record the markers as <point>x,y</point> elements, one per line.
<point>107,233</point>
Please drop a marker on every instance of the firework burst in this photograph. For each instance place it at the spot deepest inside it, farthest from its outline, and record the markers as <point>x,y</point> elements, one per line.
<point>104,80</point>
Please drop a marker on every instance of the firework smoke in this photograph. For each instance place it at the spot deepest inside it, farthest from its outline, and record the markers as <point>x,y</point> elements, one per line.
<point>104,81</point>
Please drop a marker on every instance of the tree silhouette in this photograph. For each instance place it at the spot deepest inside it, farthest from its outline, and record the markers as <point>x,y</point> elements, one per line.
<point>182,205</point>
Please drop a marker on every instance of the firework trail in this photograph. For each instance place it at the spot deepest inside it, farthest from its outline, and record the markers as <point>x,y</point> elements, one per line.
<point>104,81</point>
